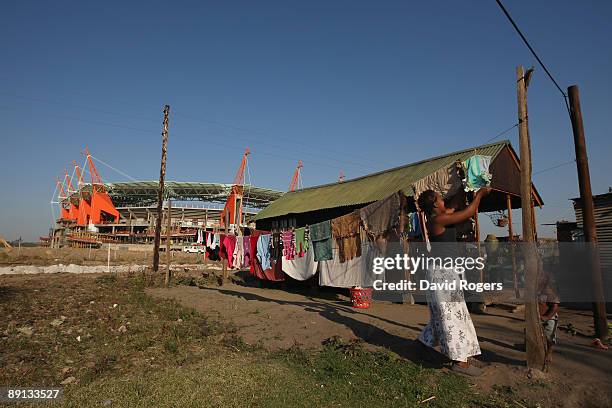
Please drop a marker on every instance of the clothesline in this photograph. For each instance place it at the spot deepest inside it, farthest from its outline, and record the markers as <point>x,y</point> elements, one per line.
<point>340,250</point>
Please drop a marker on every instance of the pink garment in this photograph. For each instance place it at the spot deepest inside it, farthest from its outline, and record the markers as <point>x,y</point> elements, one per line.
<point>288,239</point>
<point>247,252</point>
<point>229,242</point>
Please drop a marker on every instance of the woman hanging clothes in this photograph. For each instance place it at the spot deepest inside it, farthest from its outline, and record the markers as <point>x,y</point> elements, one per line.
<point>450,324</point>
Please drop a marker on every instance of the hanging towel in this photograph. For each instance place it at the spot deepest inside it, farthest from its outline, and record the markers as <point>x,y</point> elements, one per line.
<point>345,230</point>
<point>301,268</point>
<point>238,258</point>
<point>477,173</point>
<point>209,239</point>
<point>382,215</point>
<point>288,244</point>
<point>355,272</point>
<point>301,242</point>
<point>445,181</point>
<point>263,251</point>
<point>321,237</point>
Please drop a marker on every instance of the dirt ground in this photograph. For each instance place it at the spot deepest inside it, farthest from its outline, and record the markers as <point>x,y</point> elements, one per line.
<point>278,318</point>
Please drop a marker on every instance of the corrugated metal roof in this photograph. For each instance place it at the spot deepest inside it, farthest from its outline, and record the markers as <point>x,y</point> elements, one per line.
<point>369,188</point>
<point>145,192</point>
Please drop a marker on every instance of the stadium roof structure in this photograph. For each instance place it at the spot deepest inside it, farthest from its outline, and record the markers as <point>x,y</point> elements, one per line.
<point>141,193</point>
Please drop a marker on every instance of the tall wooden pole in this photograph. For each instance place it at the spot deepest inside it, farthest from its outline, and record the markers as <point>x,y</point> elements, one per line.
<point>160,193</point>
<point>168,239</point>
<point>534,336</point>
<point>588,211</point>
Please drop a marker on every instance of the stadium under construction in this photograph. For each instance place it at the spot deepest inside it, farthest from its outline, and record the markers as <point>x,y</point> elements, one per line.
<point>92,212</point>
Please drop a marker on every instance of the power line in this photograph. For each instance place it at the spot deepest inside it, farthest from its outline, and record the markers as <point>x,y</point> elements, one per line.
<point>75,106</point>
<point>290,140</point>
<point>555,166</point>
<point>502,133</point>
<point>518,30</point>
<point>222,124</point>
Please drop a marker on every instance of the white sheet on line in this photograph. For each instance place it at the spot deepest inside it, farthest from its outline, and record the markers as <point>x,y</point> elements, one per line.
<point>301,268</point>
<point>356,272</point>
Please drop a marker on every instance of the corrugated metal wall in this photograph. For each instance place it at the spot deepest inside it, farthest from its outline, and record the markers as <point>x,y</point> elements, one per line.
<point>603,221</point>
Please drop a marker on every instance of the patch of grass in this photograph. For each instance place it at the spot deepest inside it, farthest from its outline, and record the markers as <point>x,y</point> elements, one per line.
<point>145,352</point>
<point>109,326</point>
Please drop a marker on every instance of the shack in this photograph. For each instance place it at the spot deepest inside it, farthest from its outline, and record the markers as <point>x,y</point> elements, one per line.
<point>603,223</point>
<point>316,204</point>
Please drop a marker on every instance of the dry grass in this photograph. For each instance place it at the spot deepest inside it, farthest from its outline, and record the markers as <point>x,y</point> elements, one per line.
<point>124,349</point>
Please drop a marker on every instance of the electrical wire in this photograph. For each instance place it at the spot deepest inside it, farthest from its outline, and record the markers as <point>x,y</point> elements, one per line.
<point>554,167</point>
<point>173,113</point>
<point>287,139</point>
<point>502,133</point>
<point>518,30</point>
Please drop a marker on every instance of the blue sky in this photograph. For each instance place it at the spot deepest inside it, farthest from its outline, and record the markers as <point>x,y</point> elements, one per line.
<point>358,86</point>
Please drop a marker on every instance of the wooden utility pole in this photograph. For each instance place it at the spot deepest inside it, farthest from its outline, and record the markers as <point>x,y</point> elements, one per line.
<point>160,193</point>
<point>168,239</point>
<point>534,336</point>
<point>588,212</point>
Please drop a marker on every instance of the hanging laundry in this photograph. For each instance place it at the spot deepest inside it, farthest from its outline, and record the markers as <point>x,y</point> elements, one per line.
<point>253,238</point>
<point>238,255</point>
<point>274,273</point>
<point>216,241</point>
<point>477,173</point>
<point>222,251</point>
<point>445,181</point>
<point>301,268</point>
<point>213,254</point>
<point>288,239</point>
<point>381,216</point>
<point>276,246</point>
<point>321,237</point>
<point>263,251</point>
<point>229,243</point>
<point>414,225</point>
<point>355,272</point>
<point>345,230</point>
<point>301,241</point>
<point>209,239</point>
<point>246,245</point>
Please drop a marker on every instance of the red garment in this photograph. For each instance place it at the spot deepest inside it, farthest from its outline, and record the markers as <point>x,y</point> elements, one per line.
<point>229,243</point>
<point>253,244</point>
<point>275,273</point>
<point>222,252</point>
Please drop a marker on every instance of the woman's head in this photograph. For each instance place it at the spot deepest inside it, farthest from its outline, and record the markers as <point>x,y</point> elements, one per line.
<point>431,202</point>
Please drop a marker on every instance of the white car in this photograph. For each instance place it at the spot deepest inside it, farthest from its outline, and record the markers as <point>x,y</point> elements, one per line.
<point>195,249</point>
